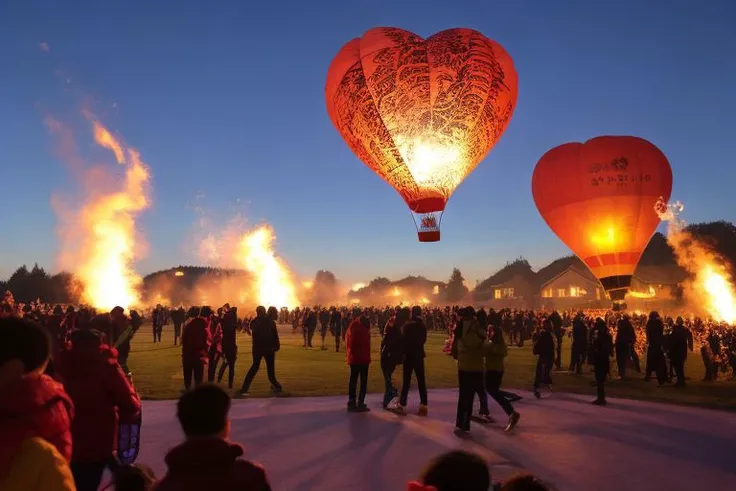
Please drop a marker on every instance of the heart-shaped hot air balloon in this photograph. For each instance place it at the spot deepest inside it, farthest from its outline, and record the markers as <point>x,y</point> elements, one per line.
<point>599,198</point>
<point>421,113</point>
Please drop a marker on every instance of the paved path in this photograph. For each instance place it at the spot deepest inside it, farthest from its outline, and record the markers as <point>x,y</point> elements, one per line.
<point>313,443</point>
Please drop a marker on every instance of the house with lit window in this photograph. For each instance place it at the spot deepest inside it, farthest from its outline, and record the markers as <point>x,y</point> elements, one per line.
<point>568,284</point>
<point>513,286</point>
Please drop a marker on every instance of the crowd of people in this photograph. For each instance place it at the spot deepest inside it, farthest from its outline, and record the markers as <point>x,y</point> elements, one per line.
<point>66,389</point>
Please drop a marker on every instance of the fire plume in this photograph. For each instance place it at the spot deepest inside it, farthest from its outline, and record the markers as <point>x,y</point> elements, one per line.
<point>274,284</point>
<point>99,239</point>
<point>710,290</point>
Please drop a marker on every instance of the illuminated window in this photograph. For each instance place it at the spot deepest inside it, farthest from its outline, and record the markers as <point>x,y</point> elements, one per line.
<point>547,293</point>
<point>497,293</point>
<point>561,292</point>
<point>508,293</point>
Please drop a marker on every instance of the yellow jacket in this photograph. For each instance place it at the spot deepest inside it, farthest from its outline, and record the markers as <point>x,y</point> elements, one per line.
<point>38,466</point>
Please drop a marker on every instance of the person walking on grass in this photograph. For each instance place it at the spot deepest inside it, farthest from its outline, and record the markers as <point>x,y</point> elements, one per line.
<point>265,345</point>
<point>495,352</point>
<point>358,346</point>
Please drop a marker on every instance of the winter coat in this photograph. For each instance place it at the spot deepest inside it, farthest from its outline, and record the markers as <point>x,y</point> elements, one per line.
<point>211,463</point>
<point>37,466</point>
<point>470,346</point>
<point>34,406</point>
<point>229,326</point>
<point>495,353</point>
<point>358,343</point>
<point>392,346</point>
<point>102,396</point>
<point>602,350</point>
<point>625,334</point>
<point>265,336</point>
<point>545,347</point>
<point>678,343</point>
<point>579,333</point>
<point>415,335</point>
<point>195,340</point>
<point>655,333</point>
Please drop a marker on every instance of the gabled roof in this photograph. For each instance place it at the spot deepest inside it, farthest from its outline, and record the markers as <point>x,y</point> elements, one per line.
<point>585,274</point>
<point>520,268</point>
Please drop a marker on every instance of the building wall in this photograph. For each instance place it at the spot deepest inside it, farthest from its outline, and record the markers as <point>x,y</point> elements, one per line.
<point>518,293</point>
<point>572,290</point>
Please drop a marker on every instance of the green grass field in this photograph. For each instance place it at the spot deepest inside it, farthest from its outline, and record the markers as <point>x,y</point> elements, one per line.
<point>158,375</point>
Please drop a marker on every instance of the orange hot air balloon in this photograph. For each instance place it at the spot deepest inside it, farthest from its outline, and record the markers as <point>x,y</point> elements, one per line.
<point>599,198</point>
<point>421,113</point>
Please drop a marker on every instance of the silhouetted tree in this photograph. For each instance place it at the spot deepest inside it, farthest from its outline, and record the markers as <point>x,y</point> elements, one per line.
<point>324,289</point>
<point>456,288</point>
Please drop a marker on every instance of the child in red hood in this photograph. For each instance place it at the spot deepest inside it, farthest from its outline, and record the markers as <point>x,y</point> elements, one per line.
<point>102,395</point>
<point>34,411</point>
<point>207,459</point>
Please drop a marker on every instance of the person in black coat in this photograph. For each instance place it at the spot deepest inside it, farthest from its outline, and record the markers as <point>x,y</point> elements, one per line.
<point>579,344</point>
<point>229,324</point>
<point>625,341</point>
<point>415,335</point>
<point>678,350</point>
<point>265,345</point>
<point>178,316</point>
<point>336,327</point>
<point>544,348</point>
<point>324,325</point>
<point>556,320</point>
<point>602,351</point>
<point>655,349</point>
<point>392,353</point>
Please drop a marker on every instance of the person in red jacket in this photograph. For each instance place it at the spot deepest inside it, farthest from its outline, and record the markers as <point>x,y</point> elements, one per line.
<point>195,347</point>
<point>358,344</point>
<point>102,396</point>
<point>207,459</point>
<point>31,404</point>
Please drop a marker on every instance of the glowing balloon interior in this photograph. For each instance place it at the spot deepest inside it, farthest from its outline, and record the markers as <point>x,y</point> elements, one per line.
<point>599,198</point>
<point>421,113</point>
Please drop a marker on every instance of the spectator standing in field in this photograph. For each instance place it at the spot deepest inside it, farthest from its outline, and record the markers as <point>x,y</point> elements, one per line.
<point>178,316</point>
<point>195,346</point>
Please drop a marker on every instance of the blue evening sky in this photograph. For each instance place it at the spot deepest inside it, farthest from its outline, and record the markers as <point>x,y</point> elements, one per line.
<point>225,99</point>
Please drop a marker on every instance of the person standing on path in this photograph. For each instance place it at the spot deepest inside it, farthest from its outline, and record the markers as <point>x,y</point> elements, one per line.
<point>265,345</point>
<point>470,351</point>
<point>358,346</point>
<point>602,352</point>
<point>415,336</point>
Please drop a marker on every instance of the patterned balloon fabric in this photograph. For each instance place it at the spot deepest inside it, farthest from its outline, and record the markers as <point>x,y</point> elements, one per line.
<point>421,113</point>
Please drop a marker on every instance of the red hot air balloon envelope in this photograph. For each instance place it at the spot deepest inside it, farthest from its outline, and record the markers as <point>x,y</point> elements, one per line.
<point>599,198</point>
<point>421,113</point>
